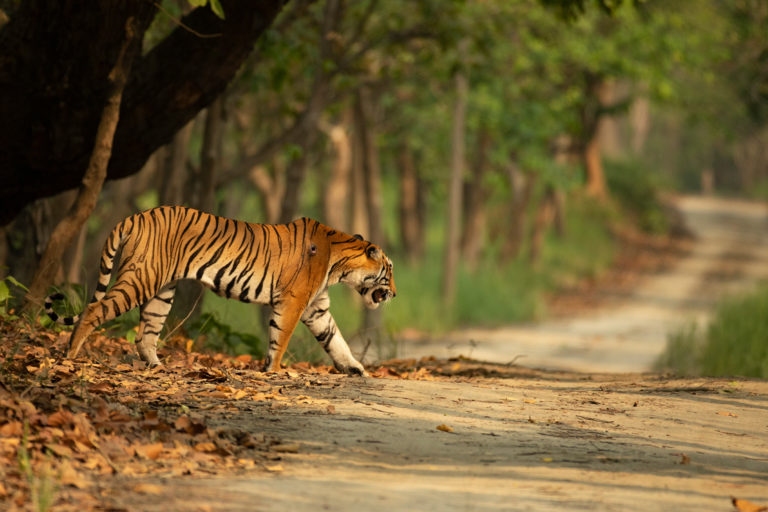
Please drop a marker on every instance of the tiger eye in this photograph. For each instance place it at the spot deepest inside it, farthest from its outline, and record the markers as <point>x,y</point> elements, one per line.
<point>312,249</point>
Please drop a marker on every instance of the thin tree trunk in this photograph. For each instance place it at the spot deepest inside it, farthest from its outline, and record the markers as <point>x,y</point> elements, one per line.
<point>187,305</point>
<point>295,173</point>
<point>93,179</point>
<point>211,156</point>
<point>453,228</point>
<point>358,210</point>
<point>544,215</point>
<point>474,201</point>
<point>173,179</point>
<point>597,92</point>
<point>640,121</point>
<point>411,226</point>
<point>522,191</point>
<point>337,191</point>
<point>371,166</point>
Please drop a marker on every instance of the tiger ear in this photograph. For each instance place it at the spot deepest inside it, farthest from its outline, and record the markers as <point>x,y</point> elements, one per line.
<point>372,252</point>
<point>358,236</point>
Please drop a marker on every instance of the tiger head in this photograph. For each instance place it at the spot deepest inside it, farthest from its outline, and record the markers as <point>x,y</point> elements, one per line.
<point>365,268</point>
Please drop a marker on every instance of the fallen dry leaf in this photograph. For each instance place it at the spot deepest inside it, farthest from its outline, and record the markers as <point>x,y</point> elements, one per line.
<point>147,488</point>
<point>205,447</point>
<point>274,468</point>
<point>728,414</point>
<point>444,428</point>
<point>149,451</point>
<point>747,506</point>
<point>286,448</point>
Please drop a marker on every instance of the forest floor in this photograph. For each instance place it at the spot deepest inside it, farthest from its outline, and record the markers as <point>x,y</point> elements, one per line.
<point>210,433</point>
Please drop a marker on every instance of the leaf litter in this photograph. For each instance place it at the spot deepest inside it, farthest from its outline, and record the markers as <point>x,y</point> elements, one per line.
<point>68,427</point>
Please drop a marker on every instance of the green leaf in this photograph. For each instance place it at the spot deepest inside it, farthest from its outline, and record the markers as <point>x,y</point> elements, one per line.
<point>217,9</point>
<point>5,293</point>
<point>130,336</point>
<point>13,280</point>
<point>197,3</point>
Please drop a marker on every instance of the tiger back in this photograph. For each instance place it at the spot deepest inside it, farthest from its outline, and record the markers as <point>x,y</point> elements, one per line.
<point>287,266</point>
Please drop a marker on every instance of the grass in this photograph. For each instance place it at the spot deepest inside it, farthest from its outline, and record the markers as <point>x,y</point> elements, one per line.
<point>733,344</point>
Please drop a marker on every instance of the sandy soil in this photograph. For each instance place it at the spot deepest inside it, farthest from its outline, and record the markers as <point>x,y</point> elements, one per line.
<point>522,440</point>
<point>513,438</point>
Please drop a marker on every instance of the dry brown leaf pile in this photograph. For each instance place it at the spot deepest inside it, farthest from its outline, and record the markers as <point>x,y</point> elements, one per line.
<point>66,426</point>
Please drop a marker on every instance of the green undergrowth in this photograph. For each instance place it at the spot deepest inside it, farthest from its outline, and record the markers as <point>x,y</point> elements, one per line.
<point>734,343</point>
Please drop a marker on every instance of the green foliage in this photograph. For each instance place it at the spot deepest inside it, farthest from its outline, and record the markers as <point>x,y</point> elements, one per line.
<point>733,344</point>
<point>214,4</point>
<point>636,189</point>
<point>221,337</point>
<point>5,293</point>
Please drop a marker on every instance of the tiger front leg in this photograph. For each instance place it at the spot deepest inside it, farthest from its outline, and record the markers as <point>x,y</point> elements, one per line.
<point>317,317</point>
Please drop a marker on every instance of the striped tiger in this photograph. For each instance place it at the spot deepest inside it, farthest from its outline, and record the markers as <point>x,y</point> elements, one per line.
<point>288,266</point>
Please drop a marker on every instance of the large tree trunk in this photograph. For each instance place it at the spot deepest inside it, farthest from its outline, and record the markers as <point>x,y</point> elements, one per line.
<point>94,177</point>
<point>53,78</point>
<point>453,226</point>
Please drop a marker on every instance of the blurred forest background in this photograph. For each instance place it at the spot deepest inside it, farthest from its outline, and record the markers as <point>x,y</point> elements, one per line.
<point>492,147</point>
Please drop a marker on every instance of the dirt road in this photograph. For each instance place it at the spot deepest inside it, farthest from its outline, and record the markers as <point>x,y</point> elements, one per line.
<point>729,254</point>
<point>459,435</point>
<point>522,440</point>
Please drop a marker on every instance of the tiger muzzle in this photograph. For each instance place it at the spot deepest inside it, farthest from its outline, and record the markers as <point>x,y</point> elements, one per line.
<point>380,295</point>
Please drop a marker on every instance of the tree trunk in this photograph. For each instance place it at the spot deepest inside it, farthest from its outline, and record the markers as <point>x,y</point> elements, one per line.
<point>271,188</point>
<point>453,227</point>
<point>211,156</point>
<point>358,209</point>
<point>522,190</point>
<point>295,173</point>
<point>94,177</point>
<point>640,122</point>
<point>596,95</point>
<point>200,194</point>
<point>544,216</point>
<point>411,218</point>
<point>337,191</point>
<point>475,197</point>
<point>173,180</point>
<point>52,105</point>
<point>371,166</point>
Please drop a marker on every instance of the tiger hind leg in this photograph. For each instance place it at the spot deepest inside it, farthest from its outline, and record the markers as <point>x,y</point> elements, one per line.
<point>153,315</point>
<point>115,302</point>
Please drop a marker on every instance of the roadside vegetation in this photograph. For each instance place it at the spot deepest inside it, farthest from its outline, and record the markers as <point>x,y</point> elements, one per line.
<point>732,344</point>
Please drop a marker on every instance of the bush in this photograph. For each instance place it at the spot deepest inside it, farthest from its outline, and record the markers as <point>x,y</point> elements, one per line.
<point>636,190</point>
<point>734,344</point>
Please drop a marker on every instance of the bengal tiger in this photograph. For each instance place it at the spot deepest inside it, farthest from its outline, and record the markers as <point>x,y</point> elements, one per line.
<point>288,266</point>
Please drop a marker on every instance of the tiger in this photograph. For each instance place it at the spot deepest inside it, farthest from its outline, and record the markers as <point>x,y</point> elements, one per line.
<point>287,266</point>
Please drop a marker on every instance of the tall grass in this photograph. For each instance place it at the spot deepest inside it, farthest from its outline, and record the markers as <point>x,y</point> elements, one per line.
<point>735,343</point>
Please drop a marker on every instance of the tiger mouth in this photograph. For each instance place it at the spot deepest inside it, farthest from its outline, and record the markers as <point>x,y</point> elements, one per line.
<point>379,295</point>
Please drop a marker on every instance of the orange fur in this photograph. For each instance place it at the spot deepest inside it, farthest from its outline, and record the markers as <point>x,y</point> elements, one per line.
<point>288,266</point>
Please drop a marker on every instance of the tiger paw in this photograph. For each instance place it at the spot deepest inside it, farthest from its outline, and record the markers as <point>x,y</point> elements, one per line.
<point>353,369</point>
